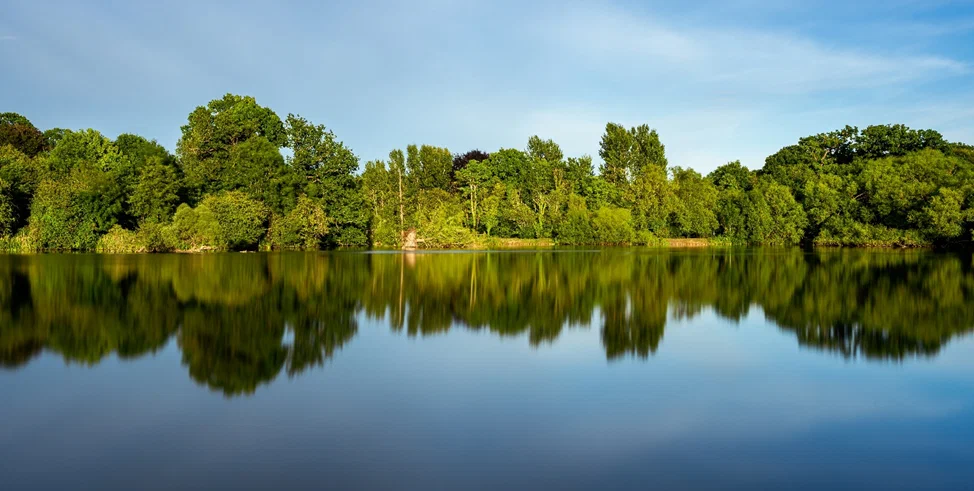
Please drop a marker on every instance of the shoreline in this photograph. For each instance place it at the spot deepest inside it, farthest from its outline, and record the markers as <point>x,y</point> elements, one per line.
<point>502,244</point>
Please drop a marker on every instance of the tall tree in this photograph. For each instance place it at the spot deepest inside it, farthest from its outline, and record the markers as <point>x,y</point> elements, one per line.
<point>429,167</point>
<point>380,190</point>
<point>328,168</point>
<point>625,153</point>
<point>696,200</point>
<point>213,131</point>
<point>476,179</point>
<point>616,152</point>
<point>397,167</point>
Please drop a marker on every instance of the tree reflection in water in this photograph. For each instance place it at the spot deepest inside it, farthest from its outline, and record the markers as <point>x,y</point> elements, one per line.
<point>242,319</point>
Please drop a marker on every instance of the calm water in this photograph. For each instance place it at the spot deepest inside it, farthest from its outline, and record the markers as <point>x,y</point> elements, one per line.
<point>607,369</point>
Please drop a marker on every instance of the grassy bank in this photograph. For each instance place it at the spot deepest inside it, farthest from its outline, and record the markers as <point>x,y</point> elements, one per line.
<point>484,243</point>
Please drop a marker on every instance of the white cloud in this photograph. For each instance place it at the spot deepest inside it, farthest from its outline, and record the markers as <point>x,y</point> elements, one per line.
<point>734,59</point>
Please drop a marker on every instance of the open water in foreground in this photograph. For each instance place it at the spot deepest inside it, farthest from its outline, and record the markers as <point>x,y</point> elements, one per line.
<point>603,369</point>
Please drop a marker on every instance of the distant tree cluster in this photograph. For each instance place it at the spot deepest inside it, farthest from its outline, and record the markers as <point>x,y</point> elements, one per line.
<point>242,178</point>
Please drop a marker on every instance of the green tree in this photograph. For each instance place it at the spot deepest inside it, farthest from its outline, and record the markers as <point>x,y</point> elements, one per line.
<point>243,220</point>
<point>8,210</point>
<point>476,179</point>
<point>943,217</point>
<point>141,151</point>
<point>88,149</point>
<point>652,200</point>
<point>517,219</point>
<point>732,175</point>
<point>460,162</point>
<point>544,149</point>
<point>380,190</point>
<point>440,219</point>
<point>256,167</point>
<point>137,155</point>
<point>576,228</point>
<point>304,227</point>
<point>695,199</point>
<point>156,192</point>
<point>195,228</point>
<point>787,220</point>
<point>625,153</point>
<point>397,167</point>
<point>72,212</point>
<point>510,166</point>
<point>579,173</point>
<point>612,226</point>
<point>429,167</point>
<point>328,167</point>
<point>896,187</point>
<point>20,175</point>
<point>616,152</point>
<point>213,131</point>
<point>490,208</point>
<point>896,139</point>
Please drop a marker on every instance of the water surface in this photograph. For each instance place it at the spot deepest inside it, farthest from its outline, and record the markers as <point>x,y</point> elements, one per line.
<point>608,369</point>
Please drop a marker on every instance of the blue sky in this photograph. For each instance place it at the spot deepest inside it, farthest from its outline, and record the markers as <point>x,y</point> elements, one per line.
<point>720,80</point>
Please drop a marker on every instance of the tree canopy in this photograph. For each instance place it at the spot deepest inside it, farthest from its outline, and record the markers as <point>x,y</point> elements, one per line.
<point>294,184</point>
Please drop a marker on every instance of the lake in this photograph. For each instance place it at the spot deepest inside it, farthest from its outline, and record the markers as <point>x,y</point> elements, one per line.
<point>563,369</point>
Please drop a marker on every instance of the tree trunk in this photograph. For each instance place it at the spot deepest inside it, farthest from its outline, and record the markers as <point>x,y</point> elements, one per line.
<point>402,214</point>
<point>410,240</point>
<point>473,206</point>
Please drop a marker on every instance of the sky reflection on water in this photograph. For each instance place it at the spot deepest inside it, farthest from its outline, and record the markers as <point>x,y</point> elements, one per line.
<point>844,369</point>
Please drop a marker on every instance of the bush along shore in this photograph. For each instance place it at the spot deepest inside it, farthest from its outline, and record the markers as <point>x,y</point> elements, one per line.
<point>242,178</point>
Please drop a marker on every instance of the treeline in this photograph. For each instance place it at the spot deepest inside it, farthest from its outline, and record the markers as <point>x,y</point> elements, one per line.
<point>241,320</point>
<point>242,178</point>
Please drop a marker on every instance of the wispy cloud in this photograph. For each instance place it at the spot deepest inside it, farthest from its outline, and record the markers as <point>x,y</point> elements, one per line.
<point>752,59</point>
<point>720,79</point>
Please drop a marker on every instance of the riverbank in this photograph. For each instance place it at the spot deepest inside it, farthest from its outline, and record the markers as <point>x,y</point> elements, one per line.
<point>130,244</point>
<point>516,243</point>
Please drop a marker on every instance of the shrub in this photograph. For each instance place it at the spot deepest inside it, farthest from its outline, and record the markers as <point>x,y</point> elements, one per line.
<point>647,238</point>
<point>149,237</point>
<point>21,242</point>
<point>72,213</point>
<point>242,220</point>
<point>120,241</point>
<point>612,225</point>
<point>440,220</point>
<point>865,235</point>
<point>304,227</point>
<point>576,227</point>
<point>193,229</point>
<point>155,237</point>
<point>228,220</point>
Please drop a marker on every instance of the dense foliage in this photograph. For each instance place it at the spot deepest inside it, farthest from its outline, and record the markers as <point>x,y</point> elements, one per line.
<point>244,178</point>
